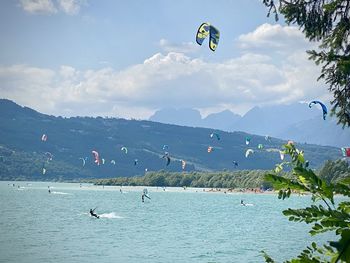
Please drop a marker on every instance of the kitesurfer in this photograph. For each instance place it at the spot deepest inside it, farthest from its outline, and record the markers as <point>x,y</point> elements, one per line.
<point>143,197</point>
<point>242,203</point>
<point>93,214</point>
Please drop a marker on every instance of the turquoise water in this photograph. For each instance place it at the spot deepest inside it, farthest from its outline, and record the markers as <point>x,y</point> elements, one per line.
<point>176,225</point>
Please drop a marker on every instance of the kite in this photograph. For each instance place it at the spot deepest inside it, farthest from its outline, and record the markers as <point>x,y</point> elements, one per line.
<point>97,157</point>
<point>44,137</point>
<point>346,151</point>
<point>124,149</point>
<point>48,156</point>
<point>282,155</point>
<point>324,108</point>
<point>216,135</point>
<point>166,155</point>
<point>183,164</point>
<point>84,160</point>
<point>214,35</point>
<point>248,152</point>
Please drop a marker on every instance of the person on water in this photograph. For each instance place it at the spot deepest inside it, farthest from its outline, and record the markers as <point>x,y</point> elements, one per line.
<point>143,197</point>
<point>93,214</point>
<point>242,203</point>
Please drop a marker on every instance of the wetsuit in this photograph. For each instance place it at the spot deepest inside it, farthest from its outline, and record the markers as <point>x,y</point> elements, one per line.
<point>93,214</point>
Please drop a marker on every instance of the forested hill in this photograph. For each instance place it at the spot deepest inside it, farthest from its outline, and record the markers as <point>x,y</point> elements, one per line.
<point>22,151</point>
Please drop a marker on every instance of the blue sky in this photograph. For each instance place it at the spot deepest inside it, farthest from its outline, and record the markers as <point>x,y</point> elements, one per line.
<point>130,58</point>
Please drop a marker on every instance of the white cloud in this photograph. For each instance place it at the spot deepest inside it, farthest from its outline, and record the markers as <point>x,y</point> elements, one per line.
<point>274,37</point>
<point>162,80</point>
<point>70,7</point>
<point>172,79</point>
<point>38,6</point>
<point>27,85</point>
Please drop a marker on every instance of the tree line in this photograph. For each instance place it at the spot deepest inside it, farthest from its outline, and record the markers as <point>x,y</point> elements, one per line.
<point>332,171</point>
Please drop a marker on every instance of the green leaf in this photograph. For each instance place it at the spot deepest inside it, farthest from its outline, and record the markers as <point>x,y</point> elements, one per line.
<point>279,182</point>
<point>314,246</point>
<point>301,157</point>
<point>268,259</point>
<point>280,194</point>
<point>342,246</point>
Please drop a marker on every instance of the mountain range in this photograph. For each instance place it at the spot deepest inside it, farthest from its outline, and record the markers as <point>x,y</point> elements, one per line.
<point>24,154</point>
<point>295,122</point>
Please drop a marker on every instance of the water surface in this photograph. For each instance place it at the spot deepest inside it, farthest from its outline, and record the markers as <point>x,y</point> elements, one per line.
<point>176,225</point>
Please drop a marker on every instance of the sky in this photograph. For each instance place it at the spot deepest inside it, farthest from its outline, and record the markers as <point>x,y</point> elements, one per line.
<point>130,58</point>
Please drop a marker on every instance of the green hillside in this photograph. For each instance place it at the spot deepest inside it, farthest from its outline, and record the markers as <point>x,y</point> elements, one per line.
<point>22,151</point>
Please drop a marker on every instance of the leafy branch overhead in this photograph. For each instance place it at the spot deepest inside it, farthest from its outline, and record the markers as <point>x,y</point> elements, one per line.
<point>324,214</point>
<point>327,22</point>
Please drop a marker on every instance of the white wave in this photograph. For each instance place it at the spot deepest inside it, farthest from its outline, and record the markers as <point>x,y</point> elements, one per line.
<point>110,216</point>
<point>247,204</point>
<point>60,193</point>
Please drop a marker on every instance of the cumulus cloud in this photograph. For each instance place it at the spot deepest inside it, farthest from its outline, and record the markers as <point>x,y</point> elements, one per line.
<point>38,6</point>
<point>162,80</point>
<point>274,37</point>
<point>169,79</point>
<point>70,7</point>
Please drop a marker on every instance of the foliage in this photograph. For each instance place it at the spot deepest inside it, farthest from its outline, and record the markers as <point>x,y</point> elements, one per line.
<point>18,165</point>
<point>324,215</point>
<point>335,171</point>
<point>326,21</point>
<point>225,179</point>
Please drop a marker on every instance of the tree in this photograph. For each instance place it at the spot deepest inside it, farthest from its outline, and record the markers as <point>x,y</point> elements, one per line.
<point>326,21</point>
<point>334,171</point>
<point>325,215</point>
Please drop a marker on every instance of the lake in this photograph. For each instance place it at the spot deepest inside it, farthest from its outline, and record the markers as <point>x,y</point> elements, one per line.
<point>176,225</point>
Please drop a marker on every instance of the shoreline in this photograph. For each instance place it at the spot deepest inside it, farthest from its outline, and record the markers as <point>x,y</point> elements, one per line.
<point>121,189</point>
